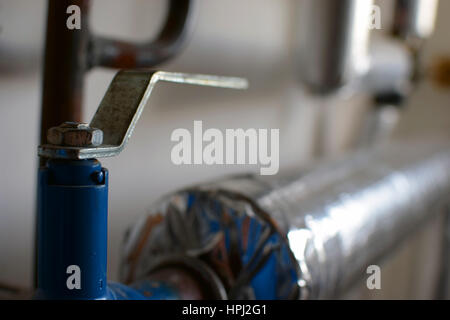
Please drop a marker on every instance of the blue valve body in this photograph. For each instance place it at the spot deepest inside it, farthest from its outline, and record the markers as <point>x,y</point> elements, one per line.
<point>72,231</point>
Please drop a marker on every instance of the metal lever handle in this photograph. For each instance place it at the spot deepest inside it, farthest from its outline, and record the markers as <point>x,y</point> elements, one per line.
<point>122,106</point>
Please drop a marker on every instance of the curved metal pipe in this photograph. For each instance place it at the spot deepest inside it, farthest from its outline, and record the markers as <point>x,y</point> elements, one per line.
<point>69,54</point>
<point>114,53</point>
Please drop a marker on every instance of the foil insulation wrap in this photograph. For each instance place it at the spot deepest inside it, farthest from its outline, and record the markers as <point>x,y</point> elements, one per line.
<point>307,233</point>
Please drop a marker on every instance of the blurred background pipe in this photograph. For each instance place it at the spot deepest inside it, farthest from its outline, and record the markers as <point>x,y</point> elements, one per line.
<point>65,63</point>
<point>331,52</point>
<point>332,44</point>
<point>415,18</point>
<point>118,54</point>
<point>414,22</point>
<point>389,84</point>
<point>396,67</point>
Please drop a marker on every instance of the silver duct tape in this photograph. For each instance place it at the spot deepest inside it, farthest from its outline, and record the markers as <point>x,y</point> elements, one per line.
<point>337,218</point>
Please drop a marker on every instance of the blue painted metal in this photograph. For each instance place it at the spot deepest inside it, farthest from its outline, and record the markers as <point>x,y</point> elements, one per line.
<point>72,230</point>
<point>143,290</point>
<point>271,280</point>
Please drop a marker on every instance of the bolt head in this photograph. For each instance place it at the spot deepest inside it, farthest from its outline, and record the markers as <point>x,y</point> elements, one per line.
<point>75,134</point>
<point>74,125</point>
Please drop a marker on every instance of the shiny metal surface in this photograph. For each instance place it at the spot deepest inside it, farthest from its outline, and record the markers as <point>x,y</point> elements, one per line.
<point>343,216</point>
<point>332,42</point>
<point>122,106</point>
<point>415,18</point>
<point>75,134</point>
<point>391,67</point>
<point>338,218</point>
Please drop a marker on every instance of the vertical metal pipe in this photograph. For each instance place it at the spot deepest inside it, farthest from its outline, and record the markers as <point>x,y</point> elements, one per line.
<point>332,42</point>
<point>72,225</point>
<point>64,65</point>
<point>414,22</point>
<point>415,18</point>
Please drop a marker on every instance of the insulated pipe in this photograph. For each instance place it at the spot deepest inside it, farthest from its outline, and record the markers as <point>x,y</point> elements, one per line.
<point>332,42</point>
<point>336,220</point>
<point>346,215</point>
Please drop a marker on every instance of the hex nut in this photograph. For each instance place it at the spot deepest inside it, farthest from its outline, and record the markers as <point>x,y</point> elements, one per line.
<point>75,134</point>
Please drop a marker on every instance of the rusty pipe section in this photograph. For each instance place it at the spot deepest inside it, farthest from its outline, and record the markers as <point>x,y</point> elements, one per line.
<point>337,218</point>
<point>65,62</point>
<point>114,53</point>
<point>69,54</point>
